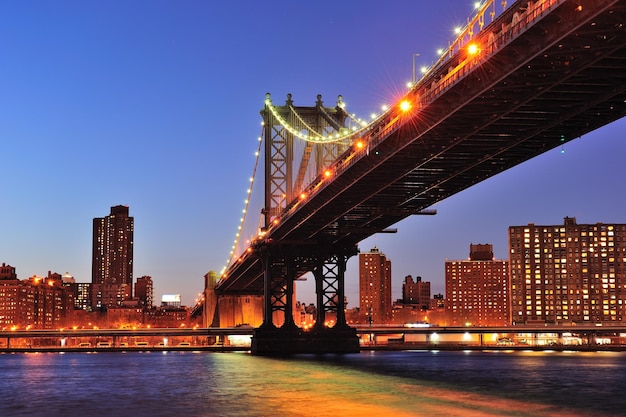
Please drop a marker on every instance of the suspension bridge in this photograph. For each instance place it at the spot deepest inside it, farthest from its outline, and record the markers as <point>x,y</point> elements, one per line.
<point>519,80</point>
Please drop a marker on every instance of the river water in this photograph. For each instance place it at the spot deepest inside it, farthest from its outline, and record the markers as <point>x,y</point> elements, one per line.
<point>404,383</point>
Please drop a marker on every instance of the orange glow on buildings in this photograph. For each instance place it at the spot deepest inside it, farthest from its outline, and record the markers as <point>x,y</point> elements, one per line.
<point>477,290</point>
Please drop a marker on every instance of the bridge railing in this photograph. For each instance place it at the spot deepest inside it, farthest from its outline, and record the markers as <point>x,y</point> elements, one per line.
<point>512,24</point>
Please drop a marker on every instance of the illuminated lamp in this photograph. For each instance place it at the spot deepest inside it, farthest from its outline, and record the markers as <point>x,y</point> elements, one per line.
<point>327,173</point>
<point>302,196</point>
<point>359,144</point>
<point>472,49</point>
<point>405,105</point>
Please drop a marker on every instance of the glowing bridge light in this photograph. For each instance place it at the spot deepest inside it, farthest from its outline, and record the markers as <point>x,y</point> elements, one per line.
<point>405,105</point>
<point>327,173</point>
<point>472,49</point>
<point>359,144</point>
<point>302,196</point>
<point>457,30</point>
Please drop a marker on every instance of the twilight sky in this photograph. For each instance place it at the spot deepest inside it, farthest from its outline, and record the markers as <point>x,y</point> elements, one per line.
<point>155,104</point>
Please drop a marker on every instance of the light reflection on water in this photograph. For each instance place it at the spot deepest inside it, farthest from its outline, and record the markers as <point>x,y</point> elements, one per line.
<point>414,383</point>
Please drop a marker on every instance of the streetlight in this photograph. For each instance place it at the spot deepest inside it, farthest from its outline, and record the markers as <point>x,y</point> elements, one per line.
<point>413,68</point>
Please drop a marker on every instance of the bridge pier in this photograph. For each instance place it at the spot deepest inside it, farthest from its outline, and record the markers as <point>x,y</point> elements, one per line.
<point>282,266</point>
<point>279,341</point>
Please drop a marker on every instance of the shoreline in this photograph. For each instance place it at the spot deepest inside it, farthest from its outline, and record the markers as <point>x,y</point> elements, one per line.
<point>369,348</point>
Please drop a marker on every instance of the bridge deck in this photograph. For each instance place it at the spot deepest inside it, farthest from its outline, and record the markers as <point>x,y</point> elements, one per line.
<point>544,77</point>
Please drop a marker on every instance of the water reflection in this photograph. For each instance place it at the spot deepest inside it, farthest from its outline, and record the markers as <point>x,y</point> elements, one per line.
<point>416,383</point>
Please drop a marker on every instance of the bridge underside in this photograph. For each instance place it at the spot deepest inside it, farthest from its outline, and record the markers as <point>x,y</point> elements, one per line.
<point>541,91</point>
<point>562,78</point>
<point>533,87</point>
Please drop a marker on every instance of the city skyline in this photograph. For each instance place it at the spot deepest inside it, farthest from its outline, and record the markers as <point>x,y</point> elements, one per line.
<point>155,92</point>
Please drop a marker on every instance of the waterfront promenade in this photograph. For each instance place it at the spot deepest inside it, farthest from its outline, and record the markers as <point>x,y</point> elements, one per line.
<point>536,338</point>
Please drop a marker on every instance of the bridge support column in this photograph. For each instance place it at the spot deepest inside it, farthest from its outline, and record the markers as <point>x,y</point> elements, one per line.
<point>329,272</point>
<point>330,290</point>
<point>268,321</point>
<point>289,294</point>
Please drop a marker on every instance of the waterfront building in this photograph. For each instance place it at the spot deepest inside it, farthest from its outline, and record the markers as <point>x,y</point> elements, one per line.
<point>67,278</point>
<point>168,316</point>
<point>375,286</point>
<point>37,302</point>
<point>144,291</point>
<point>569,273</point>
<point>82,294</point>
<point>52,302</point>
<point>416,292</point>
<point>112,259</point>
<point>437,302</point>
<point>402,314</point>
<point>7,272</point>
<point>126,317</point>
<point>16,304</point>
<point>477,289</point>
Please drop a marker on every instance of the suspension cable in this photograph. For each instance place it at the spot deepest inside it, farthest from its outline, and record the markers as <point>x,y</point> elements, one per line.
<point>247,202</point>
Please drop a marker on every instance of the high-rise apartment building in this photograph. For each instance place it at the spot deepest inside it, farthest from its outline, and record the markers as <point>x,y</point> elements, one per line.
<point>112,261</point>
<point>375,286</point>
<point>477,290</point>
<point>569,273</point>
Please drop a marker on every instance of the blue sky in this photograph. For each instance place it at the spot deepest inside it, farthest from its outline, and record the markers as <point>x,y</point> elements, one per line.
<point>155,105</point>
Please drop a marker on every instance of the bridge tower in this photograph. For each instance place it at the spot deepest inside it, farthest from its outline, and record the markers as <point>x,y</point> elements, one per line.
<point>285,262</point>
